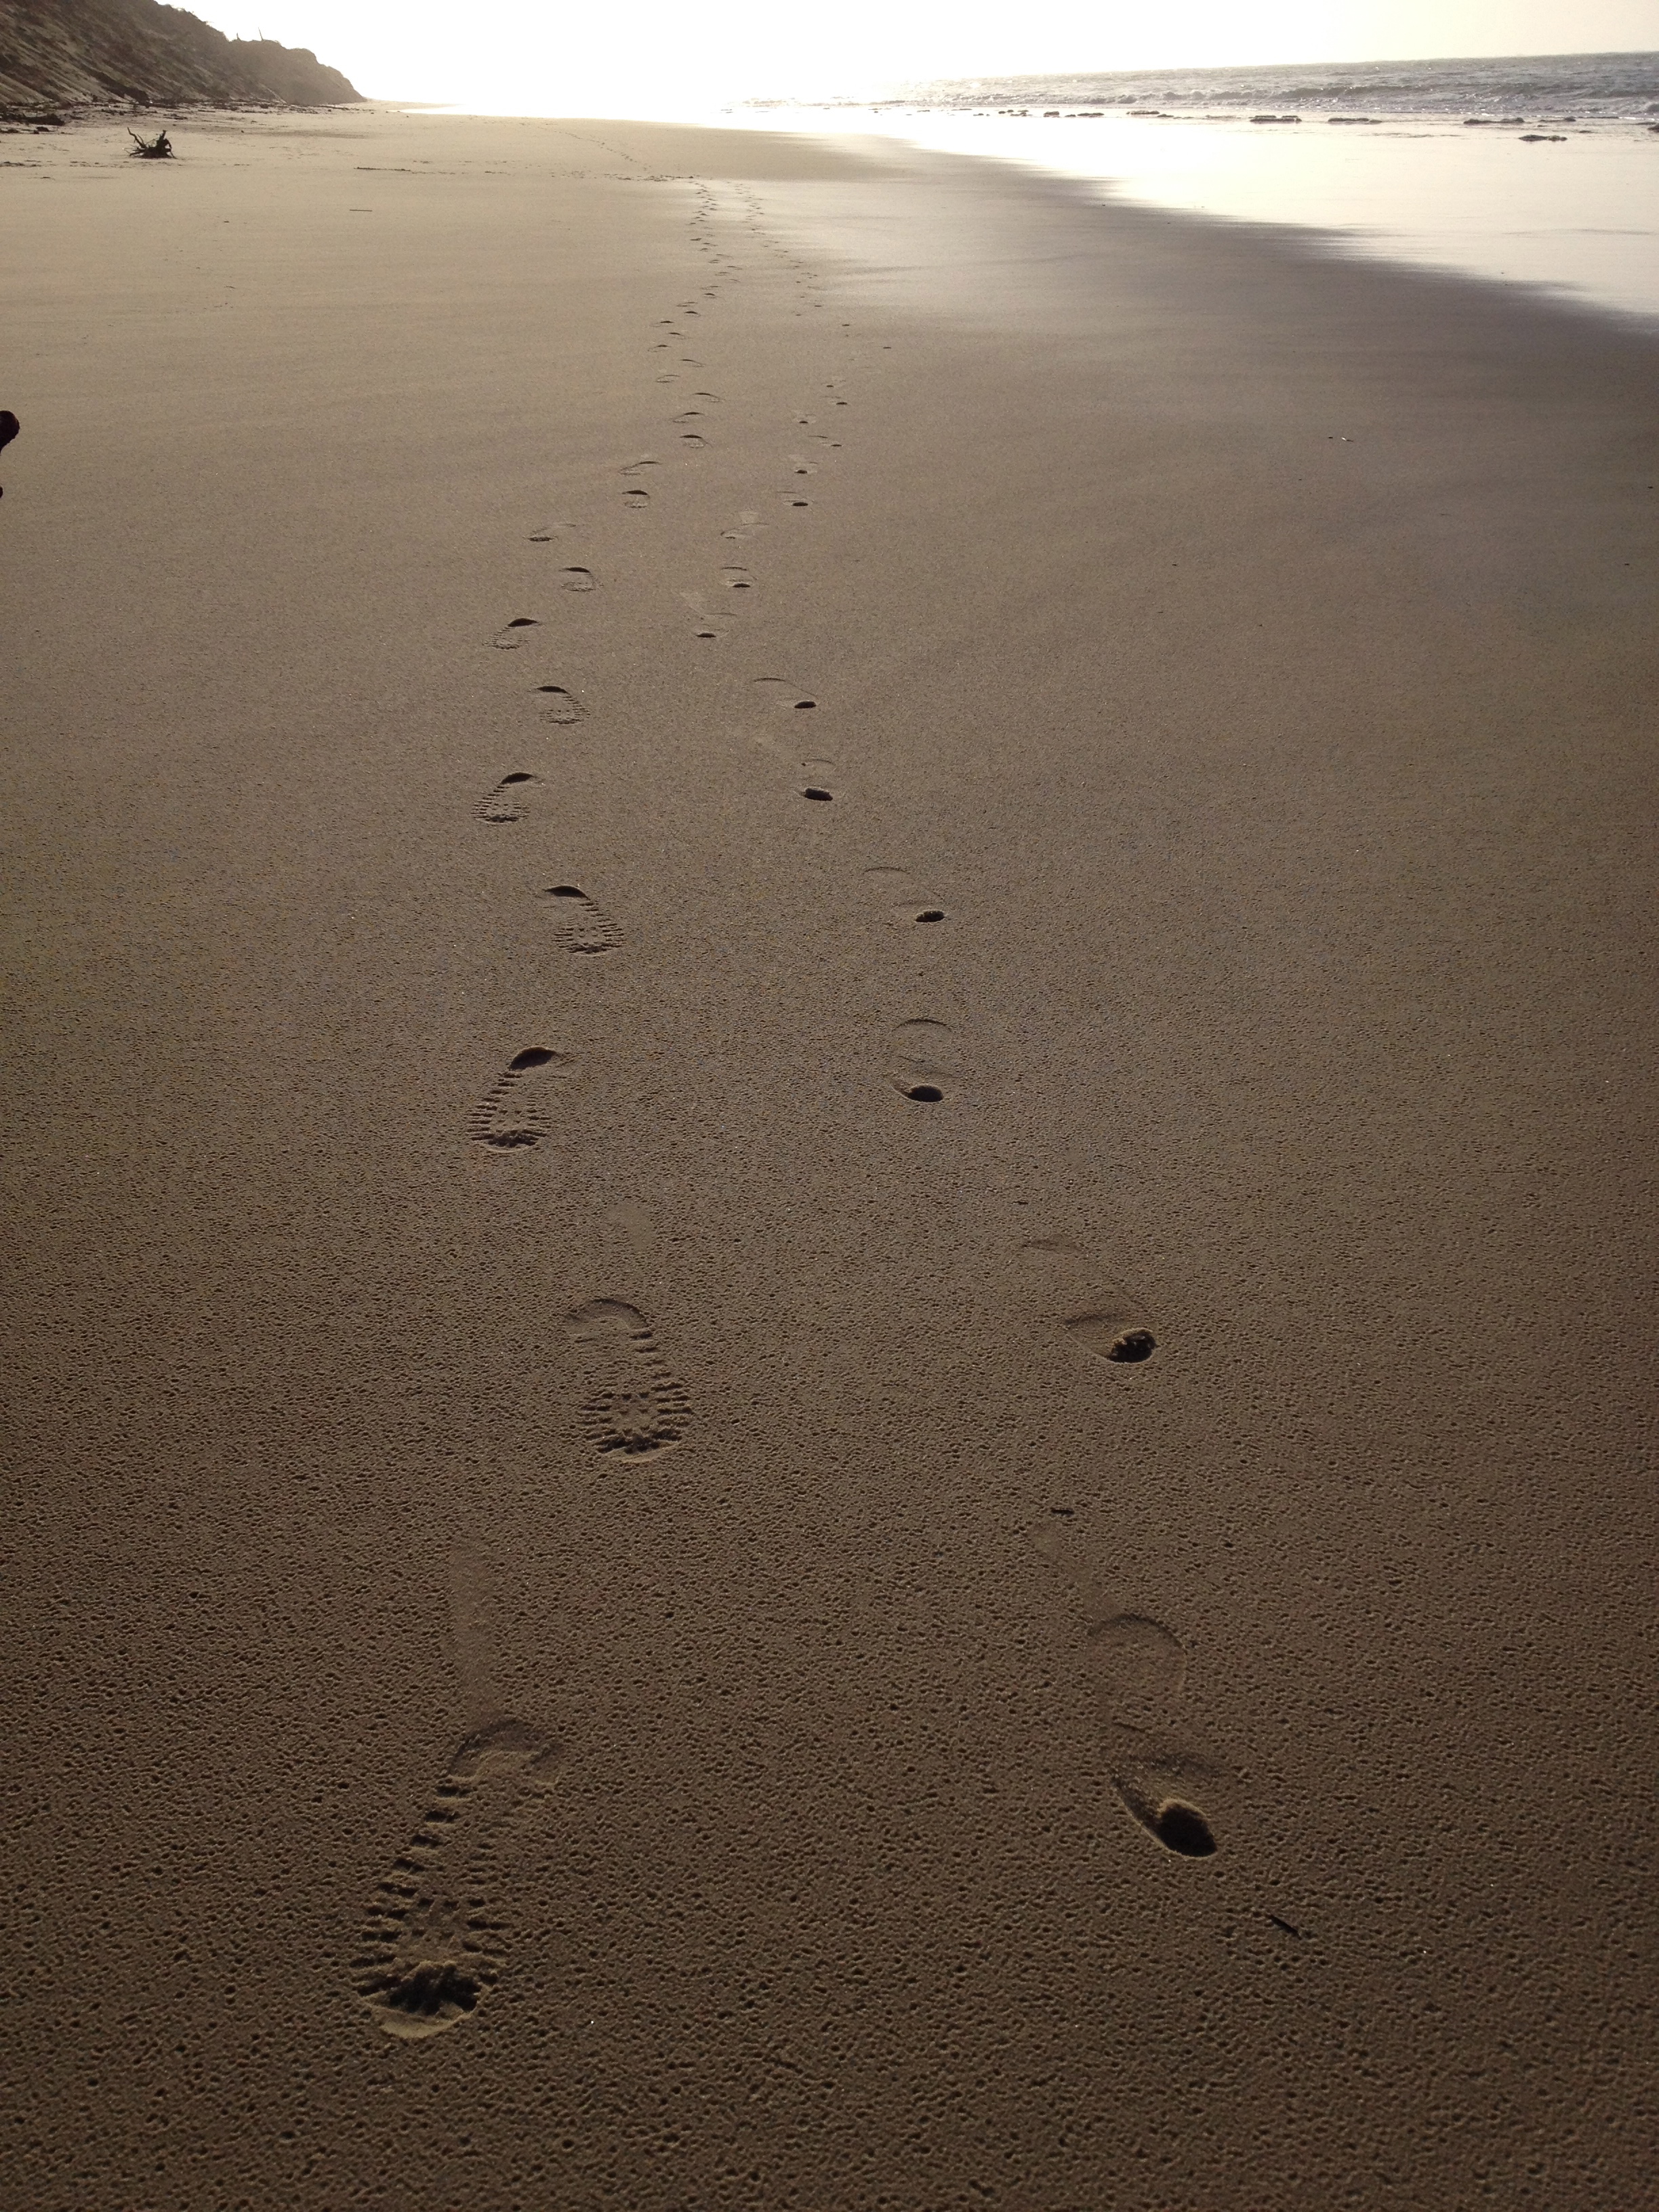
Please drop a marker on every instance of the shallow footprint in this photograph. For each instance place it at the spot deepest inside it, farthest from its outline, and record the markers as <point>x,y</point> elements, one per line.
<point>506,802</point>
<point>925,1056</point>
<point>430,1949</point>
<point>1138,1669</point>
<point>559,705</point>
<point>1138,1665</point>
<point>1100,1317</point>
<point>511,1116</point>
<point>905,907</point>
<point>577,580</point>
<point>579,924</point>
<point>510,639</point>
<point>706,626</point>
<point>788,698</point>
<point>633,1406</point>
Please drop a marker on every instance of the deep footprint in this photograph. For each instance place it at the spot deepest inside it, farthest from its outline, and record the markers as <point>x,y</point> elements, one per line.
<point>430,1950</point>
<point>1101,1318</point>
<point>506,802</point>
<point>579,924</point>
<point>633,1406</point>
<point>508,640</point>
<point>511,1116</point>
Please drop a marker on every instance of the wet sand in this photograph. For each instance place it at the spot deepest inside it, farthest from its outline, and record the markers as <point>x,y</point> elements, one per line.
<point>931,1495</point>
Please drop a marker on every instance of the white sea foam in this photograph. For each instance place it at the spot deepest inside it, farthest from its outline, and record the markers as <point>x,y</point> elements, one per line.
<point>1543,171</point>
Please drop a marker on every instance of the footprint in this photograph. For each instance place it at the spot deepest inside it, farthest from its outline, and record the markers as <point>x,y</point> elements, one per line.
<point>630,1218</point>
<point>633,1406</point>
<point>559,705</point>
<point>706,626</point>
<point>904,905</point>
<point>549,530</point>
<point>924,1053</point>
<point>637,498</point>
<point>1100,1317</point>
<point>510,1114</point>
<point>505,803</point>
<point>577,580</point>
<point>736,580</point>
<point>1137,1668</point>
<point>777,691</point>
<point>691,438</point>
<point>579,925</point>
<point>430,1950</point>
<point>510,639</point>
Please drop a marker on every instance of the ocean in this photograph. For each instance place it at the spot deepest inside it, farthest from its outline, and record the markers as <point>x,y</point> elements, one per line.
<point>1536,170</point>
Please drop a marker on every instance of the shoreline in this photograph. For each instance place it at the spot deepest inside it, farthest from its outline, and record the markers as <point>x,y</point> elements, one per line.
<point>1415,191</point>
<point>546,1461</point>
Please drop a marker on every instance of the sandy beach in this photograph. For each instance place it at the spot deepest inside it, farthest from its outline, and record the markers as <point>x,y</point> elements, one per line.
<point>830,1021</point>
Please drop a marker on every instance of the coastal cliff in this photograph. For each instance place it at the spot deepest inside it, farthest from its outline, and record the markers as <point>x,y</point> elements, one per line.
<point>57,53</point>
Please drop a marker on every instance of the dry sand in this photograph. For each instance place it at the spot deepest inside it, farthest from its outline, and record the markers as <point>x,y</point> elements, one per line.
<point>564,1508</point>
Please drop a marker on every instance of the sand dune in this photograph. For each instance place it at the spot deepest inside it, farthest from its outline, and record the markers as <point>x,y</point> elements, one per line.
<point>830,1006</point>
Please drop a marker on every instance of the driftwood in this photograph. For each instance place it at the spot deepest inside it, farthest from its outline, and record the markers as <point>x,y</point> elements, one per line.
<point>158,148</point>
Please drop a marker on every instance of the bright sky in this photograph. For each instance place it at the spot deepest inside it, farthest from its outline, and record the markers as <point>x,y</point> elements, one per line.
<point>664,57</point>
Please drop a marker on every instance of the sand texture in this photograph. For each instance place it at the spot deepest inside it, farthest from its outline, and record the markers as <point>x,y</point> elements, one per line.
<point>830,1016</point>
